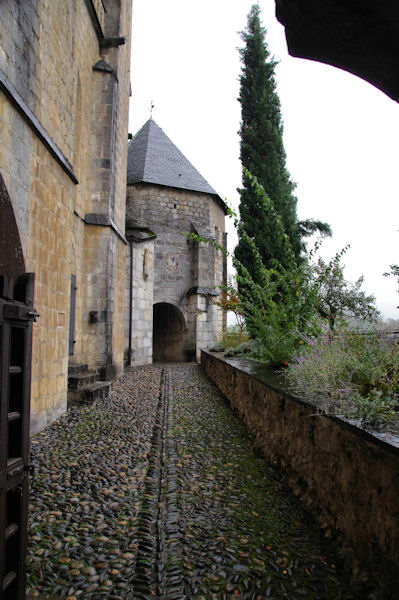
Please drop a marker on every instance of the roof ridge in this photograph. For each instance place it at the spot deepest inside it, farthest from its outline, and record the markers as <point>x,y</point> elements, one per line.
<point>149,122</point>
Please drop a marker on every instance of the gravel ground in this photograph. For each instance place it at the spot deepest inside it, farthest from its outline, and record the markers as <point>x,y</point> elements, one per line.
<point>156,492</point>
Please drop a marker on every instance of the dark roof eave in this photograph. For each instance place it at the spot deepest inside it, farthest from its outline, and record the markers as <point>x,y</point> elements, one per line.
<point>361,37</point>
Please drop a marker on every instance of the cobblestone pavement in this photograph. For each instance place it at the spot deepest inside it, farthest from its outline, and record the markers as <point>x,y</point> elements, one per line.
<point>156,493</point>
<point>90,470</point>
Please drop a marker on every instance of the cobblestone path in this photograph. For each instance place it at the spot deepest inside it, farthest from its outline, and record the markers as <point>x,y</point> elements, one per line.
<point>156,493</point>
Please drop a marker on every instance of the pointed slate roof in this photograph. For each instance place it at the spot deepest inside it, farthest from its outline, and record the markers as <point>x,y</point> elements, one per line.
<point>153,158</point>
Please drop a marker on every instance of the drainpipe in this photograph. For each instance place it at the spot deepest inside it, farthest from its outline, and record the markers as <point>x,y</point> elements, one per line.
<point>224,280</point>
<point>130,351</point>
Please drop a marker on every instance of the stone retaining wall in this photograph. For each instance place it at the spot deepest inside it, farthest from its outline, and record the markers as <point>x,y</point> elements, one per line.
<point>348,478</point>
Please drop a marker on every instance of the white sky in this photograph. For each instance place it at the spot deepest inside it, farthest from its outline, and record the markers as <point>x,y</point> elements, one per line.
<point>340,133</point>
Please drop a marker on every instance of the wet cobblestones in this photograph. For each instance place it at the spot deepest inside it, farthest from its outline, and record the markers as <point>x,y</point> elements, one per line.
<point>242,534</point>
<point>156,493</point>
<point>88,490</point>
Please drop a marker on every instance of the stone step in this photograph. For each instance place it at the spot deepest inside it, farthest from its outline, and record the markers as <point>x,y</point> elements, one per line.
<point>96,391</point>
<point>74,369</point>
<point>80,381</point>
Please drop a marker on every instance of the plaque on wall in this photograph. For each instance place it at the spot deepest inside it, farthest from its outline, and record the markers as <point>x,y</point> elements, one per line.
<point>172,261</point>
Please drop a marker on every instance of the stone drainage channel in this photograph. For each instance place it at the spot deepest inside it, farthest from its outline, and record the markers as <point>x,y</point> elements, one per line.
<point>156,493</point>
<point>158,571</point>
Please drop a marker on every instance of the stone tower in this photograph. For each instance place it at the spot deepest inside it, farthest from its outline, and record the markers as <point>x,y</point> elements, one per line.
<point>172,283</point>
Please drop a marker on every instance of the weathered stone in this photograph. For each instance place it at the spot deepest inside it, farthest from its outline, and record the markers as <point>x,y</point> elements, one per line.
<point>346,477</point>
<point>185,320</point>
<point>62,156</point>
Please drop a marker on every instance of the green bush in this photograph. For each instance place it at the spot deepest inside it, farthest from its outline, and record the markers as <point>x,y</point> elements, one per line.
<point>352,374</point>
<point>218,347</point>
<point>279,308</point>
<point>233,337</point>
<point>278,300</point>
<point>229,351</point>
<point>240,350</point>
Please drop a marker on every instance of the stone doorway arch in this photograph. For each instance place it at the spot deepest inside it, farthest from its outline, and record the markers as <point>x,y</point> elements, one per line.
<point>168,333</point>
<point>16,316</point>
<point>12,263</point>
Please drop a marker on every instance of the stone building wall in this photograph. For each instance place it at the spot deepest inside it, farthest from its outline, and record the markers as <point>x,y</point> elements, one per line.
<point>181,266</point>
<point>60,121</point>
<point>143,300</point>
<point>169,209</point>
<point>205,318</point>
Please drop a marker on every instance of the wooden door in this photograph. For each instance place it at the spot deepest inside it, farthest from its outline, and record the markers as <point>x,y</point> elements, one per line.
<point>16,316</point>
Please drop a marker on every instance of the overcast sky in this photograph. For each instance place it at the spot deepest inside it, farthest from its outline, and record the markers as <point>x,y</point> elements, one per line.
<point>340,133</point>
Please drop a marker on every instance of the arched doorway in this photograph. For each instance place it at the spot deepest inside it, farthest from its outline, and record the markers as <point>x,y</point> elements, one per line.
<point>168,333</point>
<point>16,315</point>
<point>11,256</point>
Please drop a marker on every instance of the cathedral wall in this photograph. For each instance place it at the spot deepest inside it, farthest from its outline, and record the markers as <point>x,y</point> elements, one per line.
<point>47,94</point>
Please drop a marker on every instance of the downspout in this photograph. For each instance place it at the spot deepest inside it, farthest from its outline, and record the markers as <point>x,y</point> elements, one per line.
<point>224,279</point>
<point>130,351</point>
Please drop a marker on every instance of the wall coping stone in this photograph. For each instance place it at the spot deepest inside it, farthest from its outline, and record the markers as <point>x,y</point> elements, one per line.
<point>94,19</point>
<point>275,381</point>
<point>104,221</point>
<point>18,102</point>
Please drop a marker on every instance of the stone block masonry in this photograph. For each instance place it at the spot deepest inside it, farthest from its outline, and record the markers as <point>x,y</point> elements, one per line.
<point>348,478</point>
<point>183,274</point>
<point>141,294</point>
<point>158,206</point>
<point>63,132</point>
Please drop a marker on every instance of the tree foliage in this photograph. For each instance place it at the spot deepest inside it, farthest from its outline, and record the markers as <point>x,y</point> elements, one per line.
<point>279,306</point>
<point>284,304</point>
<point>279,299</point>
<point>230,301</point>
<point>262,153</point>
<point>274,233</point>
<point>261,149</point>
<point>339,298</point>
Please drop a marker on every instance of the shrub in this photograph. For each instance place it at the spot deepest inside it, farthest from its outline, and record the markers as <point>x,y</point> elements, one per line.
<point>338,298</point>
<point>233,337</point>
<point>352,374</point>
<point>218,347</point>
<point>279,307</point>
<point>229,351</point>
<point>241,349</point>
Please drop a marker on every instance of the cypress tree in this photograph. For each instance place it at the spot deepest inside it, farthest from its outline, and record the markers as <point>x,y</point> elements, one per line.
<point>262,149</point>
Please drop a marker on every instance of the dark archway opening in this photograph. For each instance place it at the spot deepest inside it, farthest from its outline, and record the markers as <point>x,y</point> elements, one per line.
<point>168,333</point>
<point>12,263</point>
<point>16,316</point>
